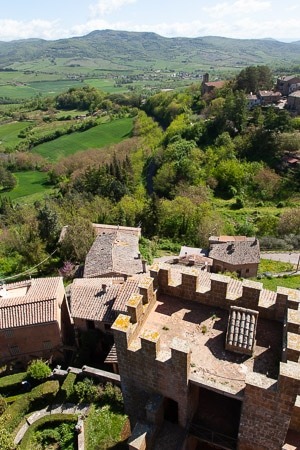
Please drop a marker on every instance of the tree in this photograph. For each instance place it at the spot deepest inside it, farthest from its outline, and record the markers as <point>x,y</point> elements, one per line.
<point>38,370</point>
<point>48,225</point>
<point>77,240</point>
<point>254,78</point>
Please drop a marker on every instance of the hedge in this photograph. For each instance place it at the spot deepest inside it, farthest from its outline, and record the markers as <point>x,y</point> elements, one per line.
<point>11,384</point>
<point>53,418</point>
<point>67,388</point>
<point>15,412</point>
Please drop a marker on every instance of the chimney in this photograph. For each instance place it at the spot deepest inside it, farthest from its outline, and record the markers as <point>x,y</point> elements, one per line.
<point>144,263</point>
<point>104,288</point>
<point>138,256</point>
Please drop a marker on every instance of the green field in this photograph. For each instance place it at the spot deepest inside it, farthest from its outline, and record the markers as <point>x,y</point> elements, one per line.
<point>9,133</point>
<point>30,187</point>
<point>97,137</point>
<point>32,89</point>
<point>106,85</point>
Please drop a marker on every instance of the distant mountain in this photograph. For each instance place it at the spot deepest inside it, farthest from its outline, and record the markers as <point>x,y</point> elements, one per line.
<point>122,50</point>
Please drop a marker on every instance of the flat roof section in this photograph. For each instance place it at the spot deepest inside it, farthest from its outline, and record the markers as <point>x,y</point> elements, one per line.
<point>204,328</point>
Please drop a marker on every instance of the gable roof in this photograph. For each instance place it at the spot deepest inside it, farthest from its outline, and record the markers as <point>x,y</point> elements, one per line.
<point>90,300</point>
<point>131,286</point>
<point>236,253</point>
<point>113,252</point>
<point>30,302</point>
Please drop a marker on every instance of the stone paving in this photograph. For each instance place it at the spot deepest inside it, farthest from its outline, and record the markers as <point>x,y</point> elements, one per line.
<point>65,408</point>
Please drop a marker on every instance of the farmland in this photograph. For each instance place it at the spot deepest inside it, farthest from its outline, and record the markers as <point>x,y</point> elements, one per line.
<point>97,137</point>
<point>31,186</point>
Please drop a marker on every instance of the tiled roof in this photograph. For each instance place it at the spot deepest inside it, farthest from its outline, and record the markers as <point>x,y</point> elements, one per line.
<point>235,253</point>
<point>130,287</point>
<point>295,94</point>
<point>30,302</point>
<point>241,330</point>
<point>114,252</point>
<point>216,84</point>
<point>91,301</point>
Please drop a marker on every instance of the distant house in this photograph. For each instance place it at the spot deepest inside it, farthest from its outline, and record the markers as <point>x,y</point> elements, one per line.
<point>190,256</point>
<point>288,84</point>
<point>293,102</point>
<point>114,254</point>
<point>240,256</point>
<point>209,86</point>
<point>268,97</point>
<point>252,100</point>
<point>34,320</point>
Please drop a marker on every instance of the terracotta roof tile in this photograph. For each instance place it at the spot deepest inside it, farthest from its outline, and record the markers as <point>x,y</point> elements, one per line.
<point>91,302</point>
<point>30,302</point>
<point>241,330</point>
<point>131,286</point>
<point>238,252</point>
<point>113,252</point>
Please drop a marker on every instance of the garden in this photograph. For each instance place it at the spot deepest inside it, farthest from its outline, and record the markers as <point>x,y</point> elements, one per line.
<point>38,410</point>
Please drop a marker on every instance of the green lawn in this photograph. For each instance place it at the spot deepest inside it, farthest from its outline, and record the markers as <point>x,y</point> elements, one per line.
<point>291,282</point>
<point>9,133</point>
<point>30,187</point>
<point>103,428</point>
<point>97,137</point>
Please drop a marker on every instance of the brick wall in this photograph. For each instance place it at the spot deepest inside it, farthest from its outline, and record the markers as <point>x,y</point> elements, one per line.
<point>25,343</point>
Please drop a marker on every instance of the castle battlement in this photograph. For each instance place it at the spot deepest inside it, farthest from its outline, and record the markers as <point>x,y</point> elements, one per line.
<point>224,292</point>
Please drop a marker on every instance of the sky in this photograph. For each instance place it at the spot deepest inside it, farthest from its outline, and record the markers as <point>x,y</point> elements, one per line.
<point>56,19</point>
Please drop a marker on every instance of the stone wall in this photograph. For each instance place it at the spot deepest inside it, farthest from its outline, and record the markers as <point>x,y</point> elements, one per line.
<point>144,369</point>
<point>267,408</point>
<point>268,405</point>
<point>224,292</point>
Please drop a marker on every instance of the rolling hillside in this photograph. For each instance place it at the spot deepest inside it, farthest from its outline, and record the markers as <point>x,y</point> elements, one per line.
<point>131,51</point>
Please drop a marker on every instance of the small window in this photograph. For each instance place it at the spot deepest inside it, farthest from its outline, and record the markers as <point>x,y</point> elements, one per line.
<point>47,345</point>
<point>8,333</point>
<point>90,324</point>
<point>247,270</point>
<point>14,350</point>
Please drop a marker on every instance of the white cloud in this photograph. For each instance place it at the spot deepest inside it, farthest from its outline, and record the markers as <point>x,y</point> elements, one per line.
<point>239,7</point>
<point>103,7</point>
<point>14,29</point>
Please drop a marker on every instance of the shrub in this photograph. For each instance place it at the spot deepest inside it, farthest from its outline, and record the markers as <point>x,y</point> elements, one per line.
<point>86,391</point>
<point>3,405</point>
<point>38,370</point>
<point>10,385</point>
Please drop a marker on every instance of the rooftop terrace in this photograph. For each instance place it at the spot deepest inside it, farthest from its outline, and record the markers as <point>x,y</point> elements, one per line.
<point>204,329</point>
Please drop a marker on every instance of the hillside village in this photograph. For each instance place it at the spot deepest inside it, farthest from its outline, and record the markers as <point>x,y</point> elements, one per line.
<point>206,357</point>
<point>202,358</point>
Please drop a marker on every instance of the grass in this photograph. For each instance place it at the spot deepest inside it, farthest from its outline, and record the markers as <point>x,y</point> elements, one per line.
<point>267,265</point>
<point>9,133</point>
<point>290,282</point>
<point>97,137</point>
<point>32,89</point>
<point>103,428</point>
<point>30,187</point>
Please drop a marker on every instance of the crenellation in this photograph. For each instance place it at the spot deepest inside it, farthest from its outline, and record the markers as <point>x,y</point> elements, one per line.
<point>161,341</point>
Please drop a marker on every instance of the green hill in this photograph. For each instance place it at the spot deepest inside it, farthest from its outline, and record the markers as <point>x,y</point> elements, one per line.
<point>131,51</point>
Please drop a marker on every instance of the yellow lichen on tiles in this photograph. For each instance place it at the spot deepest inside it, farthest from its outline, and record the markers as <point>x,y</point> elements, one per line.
<point>134,300</point>
<point>151,335</point>
<point>122,322</point>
